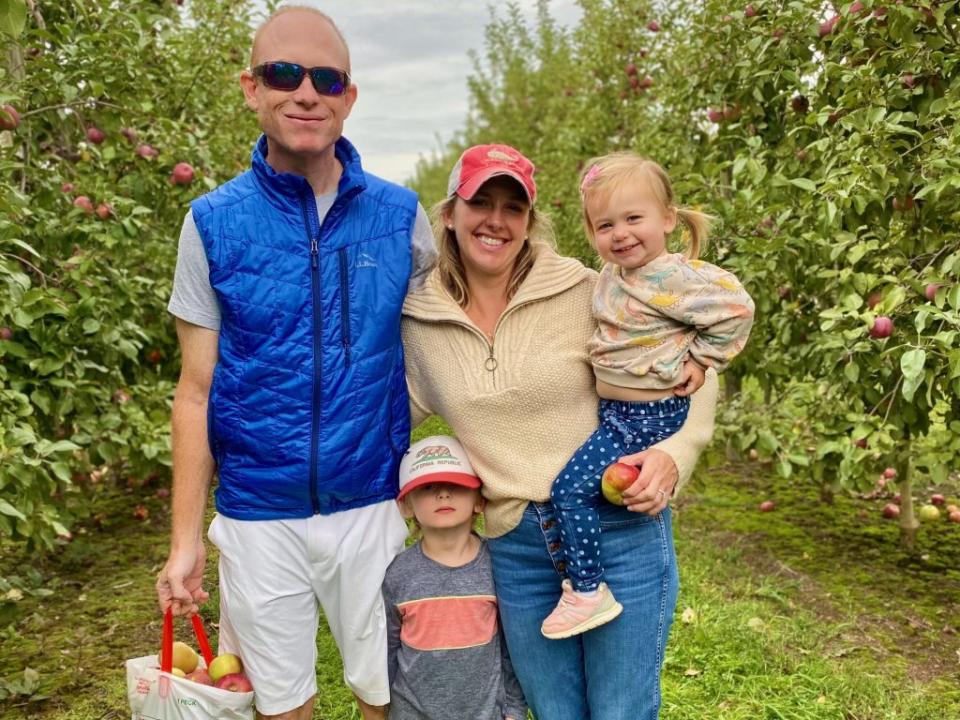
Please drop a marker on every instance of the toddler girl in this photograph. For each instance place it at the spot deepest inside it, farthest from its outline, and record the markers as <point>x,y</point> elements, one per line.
<point>662,319</point>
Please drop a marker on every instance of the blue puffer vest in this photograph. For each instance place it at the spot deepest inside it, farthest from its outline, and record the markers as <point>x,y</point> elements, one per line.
<point>308,411</point>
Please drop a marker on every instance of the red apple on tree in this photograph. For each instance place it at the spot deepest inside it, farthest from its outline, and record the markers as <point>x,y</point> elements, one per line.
<point>904,205</point>
<point>130,134</point>
<point>646,83</point>
<point>750,11</point>
<point>66,188</point>
<point>861,443</point>
<point>5,333</point>
<point>84,203</point>
<point>653,26</point>
<point>938,499</point>
<point>889,473</point>
<point>630,69</point>
<point>827,26</point>
<point>856,8</point>
<point>9,117</point>
<point>890,511</point>
<point>146,151</point>
<point>104,211</point>
<point>616,478</point>
<point>882,327</point>
<point>715,115</point>
<point>766,506</point>
<point>930,291</point>
<point>96,135</point>
<point>182,174</point>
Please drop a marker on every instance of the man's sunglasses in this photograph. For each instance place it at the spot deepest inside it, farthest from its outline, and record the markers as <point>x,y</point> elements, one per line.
<point>288,76</point>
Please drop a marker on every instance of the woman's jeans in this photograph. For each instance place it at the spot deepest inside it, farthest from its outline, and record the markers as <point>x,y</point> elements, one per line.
<point>611,672</point>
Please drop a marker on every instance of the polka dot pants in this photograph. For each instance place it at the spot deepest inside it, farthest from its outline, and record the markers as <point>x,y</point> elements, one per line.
<point>625,428</point>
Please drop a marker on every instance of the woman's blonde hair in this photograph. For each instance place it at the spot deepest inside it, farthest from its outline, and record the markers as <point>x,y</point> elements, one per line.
<point>450,265</point>
<point>602,176</point>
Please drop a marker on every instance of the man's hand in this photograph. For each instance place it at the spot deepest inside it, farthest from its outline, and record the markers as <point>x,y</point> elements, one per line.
<point>180,582</point>
<point>652,490</point>
<point>691,379</point>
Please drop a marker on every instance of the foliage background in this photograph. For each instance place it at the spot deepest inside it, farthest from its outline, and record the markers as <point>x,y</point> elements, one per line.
<point>828,153</point>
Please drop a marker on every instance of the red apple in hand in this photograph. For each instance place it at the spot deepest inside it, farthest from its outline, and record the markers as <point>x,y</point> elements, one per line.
<point>235,682</point>
<point>617,478</point>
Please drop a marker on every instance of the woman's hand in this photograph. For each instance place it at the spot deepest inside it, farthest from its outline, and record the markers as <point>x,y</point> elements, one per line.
<point>651,492</point>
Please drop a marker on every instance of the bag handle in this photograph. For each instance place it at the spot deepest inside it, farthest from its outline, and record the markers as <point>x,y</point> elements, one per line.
<point>166,643</point>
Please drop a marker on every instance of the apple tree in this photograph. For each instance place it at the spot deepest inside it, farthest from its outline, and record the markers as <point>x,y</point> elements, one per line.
<point>101,104</point>
<point>823,138</point>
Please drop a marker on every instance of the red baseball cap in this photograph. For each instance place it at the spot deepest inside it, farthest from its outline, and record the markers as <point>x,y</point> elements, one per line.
<point>482,162</point>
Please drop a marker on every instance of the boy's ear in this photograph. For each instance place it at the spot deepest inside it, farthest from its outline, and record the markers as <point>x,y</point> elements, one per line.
<point>405,510</point>
<point>480,504</point>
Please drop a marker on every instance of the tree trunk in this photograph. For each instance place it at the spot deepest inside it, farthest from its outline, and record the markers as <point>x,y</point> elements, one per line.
<point>731,389</point>
<point>908,520</point>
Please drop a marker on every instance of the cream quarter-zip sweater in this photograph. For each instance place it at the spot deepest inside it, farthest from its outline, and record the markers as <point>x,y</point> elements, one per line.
<point>524,403</point>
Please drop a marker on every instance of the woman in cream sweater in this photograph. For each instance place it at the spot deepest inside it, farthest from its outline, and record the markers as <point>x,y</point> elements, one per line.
<point>496,344</point>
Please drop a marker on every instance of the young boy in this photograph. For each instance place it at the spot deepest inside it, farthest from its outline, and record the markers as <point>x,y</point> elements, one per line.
<point>447,657</point>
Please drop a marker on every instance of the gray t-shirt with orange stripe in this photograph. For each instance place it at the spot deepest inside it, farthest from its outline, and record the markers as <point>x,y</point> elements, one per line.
<point>447,657</point>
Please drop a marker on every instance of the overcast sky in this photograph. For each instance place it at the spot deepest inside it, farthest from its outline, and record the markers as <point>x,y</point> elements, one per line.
<point>410,64</point>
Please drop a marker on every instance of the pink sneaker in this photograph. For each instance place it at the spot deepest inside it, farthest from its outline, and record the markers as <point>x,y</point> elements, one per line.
<point>576,613</point>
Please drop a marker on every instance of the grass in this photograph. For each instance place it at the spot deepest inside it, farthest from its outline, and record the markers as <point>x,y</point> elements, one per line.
<point>806,613</point>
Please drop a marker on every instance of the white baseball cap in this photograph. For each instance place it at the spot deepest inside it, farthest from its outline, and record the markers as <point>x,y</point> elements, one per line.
<point>436,459</point>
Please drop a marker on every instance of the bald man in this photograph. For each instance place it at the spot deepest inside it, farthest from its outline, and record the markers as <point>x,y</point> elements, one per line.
<point>287,295</point>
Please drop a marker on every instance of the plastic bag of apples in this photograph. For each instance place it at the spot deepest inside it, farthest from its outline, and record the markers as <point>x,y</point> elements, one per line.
<point>181,685</point>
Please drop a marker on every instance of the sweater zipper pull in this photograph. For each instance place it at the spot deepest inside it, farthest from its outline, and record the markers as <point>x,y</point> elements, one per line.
<point>314,253</point>
<point>491,362</point>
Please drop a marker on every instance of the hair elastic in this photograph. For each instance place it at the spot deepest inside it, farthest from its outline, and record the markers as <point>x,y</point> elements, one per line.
<point>589,177</point>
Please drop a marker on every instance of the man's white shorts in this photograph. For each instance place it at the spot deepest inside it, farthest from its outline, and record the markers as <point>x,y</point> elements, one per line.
<point>273,576</point>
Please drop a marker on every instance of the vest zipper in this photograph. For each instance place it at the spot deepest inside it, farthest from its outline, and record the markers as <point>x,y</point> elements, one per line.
<point>344,306</point>
<point>317,357</point>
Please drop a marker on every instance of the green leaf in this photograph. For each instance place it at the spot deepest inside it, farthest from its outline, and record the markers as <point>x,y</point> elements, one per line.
<point>8,509</point>
<point>851,371</point>
<point>911,364</point>
<point>804,183</point>
<point>13,17</point>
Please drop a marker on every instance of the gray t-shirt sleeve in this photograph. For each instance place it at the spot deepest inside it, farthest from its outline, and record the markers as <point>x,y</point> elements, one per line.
<point>424,249</point>
<point>193,298</point>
